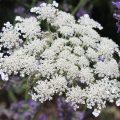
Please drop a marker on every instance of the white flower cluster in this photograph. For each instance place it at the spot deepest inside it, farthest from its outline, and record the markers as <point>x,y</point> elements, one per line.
<point>101,92</point>
<point>70,58</point>
<point>9,37</point>
<point>28,26</point>
<point>56,85</point>
<point>22,64</point>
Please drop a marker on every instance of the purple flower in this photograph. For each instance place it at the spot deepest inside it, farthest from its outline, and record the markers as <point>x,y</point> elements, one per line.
<point>16,106</point>
<point>19,10</point>
<point>81,12</point>
<point>27,115</point>
<point>101,58</point>
<point>116,4</point>
<point>43,117</point>
<point>33,104</point>
<point>22,110</point>
<point>116,15</point>
<point>65,109</point>
<point>82,115</point>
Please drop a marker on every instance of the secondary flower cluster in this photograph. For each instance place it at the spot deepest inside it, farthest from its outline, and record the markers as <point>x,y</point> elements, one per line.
<point>67,58</point>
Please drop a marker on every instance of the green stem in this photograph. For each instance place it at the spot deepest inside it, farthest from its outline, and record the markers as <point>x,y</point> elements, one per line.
<point>38,112</point>
<point>12,96</point>
<point>33,3</point>
<point>55,117</point>
<point>27,6</point>
<point>48,27</point>
<point>81,3</point>
<point>27,88</point>
<point>26,93</point>
<point>50,1</point>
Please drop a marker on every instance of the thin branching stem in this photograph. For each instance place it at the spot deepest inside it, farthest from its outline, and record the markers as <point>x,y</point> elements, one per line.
<point>81,3</point>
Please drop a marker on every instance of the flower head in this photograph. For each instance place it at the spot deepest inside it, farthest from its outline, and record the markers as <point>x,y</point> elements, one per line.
<point>68,59</point>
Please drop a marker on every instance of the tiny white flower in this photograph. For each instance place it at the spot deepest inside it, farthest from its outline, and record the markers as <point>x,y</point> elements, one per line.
<point>118,102</point>
<point>96,112</point>
<point>55,4</point>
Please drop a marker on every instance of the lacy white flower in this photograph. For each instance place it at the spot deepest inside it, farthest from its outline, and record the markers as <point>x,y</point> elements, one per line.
<point>35,47</point>
<point>76,95</point>
<point>66,31</point>
<point>9,37</point>
<point>28,26</point>
<point>45,12</point>
<point>92,54</point>
<point>43,88</point>
<point>102,91</point>
<point>86,21</point>
<point>75,41</point>
<point>48,88</point>
<point>86,75</point>
<point>68,58</point>
<point>107,47</point>
<point>107,68</point>
<point>22,64</point>
<point>3,76</point>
